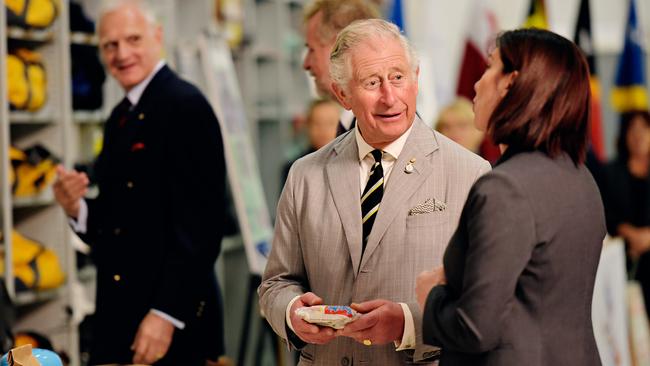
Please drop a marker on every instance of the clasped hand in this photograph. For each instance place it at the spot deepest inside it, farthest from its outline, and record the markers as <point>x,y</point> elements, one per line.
<point>425,281</point>
<point>381,322</point>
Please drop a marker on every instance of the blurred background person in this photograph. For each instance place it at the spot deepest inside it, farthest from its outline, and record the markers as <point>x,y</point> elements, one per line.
<point>321,125</point>
<point>626,193</point>
<point>324,19</point>
<point>456,121</point>
<point>519,272</point>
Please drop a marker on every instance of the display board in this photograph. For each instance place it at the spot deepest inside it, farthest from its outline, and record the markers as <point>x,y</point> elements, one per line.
<point>222,90</point>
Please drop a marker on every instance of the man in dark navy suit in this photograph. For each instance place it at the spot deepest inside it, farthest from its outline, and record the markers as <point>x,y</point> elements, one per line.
<point>156,226</point>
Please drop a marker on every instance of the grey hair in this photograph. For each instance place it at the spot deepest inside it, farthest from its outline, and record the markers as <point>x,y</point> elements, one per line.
<point>144,6</point>
<point>358,32</point>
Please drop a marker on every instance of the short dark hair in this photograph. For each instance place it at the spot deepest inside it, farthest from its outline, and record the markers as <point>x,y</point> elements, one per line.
<point>547,107</point>
<point>626,121</point>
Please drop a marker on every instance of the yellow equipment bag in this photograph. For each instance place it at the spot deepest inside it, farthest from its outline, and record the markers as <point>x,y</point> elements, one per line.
<point>31,13</point>
<point>35,266</point>
<point>34,170</point>
<point>27,81</point>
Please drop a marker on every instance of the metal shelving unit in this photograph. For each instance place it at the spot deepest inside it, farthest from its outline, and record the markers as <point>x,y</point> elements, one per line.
<point>38,217</point>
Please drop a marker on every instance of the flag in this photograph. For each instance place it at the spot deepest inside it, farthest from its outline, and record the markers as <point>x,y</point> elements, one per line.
<point>396,15</point>
<point>629,92</point>
<point>481,31</point>
<point>536,15</point>
<point>584,40</point>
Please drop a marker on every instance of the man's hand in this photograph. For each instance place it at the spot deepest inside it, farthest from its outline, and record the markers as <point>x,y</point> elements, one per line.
<point>152,340</point>
<point>425,281</point>
<point>381,322</point>
<point>69,188</point>
<point>309,333</point>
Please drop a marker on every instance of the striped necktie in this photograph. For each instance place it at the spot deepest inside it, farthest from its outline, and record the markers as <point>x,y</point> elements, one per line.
<point>371,197</point>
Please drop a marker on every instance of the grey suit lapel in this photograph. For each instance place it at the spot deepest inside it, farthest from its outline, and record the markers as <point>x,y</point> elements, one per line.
<point>343,179</point>
<point>400,185</point>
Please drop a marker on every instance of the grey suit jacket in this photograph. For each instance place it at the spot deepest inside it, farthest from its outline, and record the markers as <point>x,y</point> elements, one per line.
<point>317,241</point>
<point>520,268</point>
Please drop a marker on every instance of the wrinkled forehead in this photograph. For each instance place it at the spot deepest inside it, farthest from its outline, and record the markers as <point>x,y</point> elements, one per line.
<point>379,55</point>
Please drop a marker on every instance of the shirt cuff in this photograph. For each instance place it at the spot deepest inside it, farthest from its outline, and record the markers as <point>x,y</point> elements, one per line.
<point>80,224</point>
<point>177,323</point>
<point>288,313</point>
<point>408,338</point>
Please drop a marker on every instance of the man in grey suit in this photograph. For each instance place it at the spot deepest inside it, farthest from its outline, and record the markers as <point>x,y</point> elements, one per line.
<point>339,243</point>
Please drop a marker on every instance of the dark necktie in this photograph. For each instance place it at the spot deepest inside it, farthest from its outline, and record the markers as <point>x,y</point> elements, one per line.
<point>371,197</point>
<point>123,110</point>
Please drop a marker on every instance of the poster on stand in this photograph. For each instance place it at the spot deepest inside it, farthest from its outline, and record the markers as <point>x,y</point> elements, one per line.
<point>222,90</point>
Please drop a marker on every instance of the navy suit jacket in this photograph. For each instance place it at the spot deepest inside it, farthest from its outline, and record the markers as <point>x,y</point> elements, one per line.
<point>156,226</point>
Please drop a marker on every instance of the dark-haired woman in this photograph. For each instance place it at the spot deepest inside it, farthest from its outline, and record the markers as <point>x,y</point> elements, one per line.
<point>518,275</point>
<point>626,193</point>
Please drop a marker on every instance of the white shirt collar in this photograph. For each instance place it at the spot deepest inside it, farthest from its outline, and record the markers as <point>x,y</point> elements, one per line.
<point>135,93</point>
<point>393,149</point>
<point>346,118</point>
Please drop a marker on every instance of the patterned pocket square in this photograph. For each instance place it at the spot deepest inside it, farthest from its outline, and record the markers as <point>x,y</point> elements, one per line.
<point>430,205</point>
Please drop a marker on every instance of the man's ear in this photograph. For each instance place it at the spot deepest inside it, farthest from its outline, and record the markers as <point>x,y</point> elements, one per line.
<point>341,95</point>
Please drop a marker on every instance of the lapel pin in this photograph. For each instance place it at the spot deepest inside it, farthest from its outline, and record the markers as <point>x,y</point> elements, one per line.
<point>409,166</point>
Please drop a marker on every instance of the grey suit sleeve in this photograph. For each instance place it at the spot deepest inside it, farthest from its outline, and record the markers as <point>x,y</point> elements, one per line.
<point>284,277</point>
<point>501,235</point>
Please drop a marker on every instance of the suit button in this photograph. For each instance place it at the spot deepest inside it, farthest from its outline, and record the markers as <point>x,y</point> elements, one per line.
<point>345,361</point>
<point>117,231</point>
<point>129,184</point>
<point>141,116</point>
<point>117,278</point>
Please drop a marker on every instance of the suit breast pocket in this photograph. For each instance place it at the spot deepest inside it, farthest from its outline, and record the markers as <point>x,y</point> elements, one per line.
<point>431,219</point>
<point>426,237</point>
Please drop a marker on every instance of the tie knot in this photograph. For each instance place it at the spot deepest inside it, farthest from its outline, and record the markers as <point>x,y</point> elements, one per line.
<point>125,105</point>
<point>377,155</point>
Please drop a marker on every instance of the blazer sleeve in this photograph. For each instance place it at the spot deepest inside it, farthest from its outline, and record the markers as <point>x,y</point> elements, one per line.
<point>500,231</point>
<point>196,198</point>
<point>284,277</point>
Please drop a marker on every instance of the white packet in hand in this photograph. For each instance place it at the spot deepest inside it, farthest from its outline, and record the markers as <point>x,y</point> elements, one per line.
<point>334,316</point>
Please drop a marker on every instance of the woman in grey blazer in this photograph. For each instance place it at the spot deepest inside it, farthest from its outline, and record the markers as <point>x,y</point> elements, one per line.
<point>518,275</point>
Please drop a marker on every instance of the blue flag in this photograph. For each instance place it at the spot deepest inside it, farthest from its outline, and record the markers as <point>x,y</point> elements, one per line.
<point>396,16</point>
<point>629,92</point>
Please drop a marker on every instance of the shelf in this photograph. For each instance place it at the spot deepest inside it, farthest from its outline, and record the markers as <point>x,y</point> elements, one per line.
<point>24,118</point>
<point>30,35</point>
<point>46,198</point>
<point>84,39</point>
<point>31,297</point>
<point>91,117</point>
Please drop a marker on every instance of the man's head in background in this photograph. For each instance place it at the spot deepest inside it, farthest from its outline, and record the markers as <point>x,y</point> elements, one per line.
<point>323,20</point>
<point>456,121</point>
<point>130,41</point>
<point>322,122</point>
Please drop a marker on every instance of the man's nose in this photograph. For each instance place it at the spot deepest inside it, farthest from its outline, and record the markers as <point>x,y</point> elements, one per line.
<point>387,93</point>
<point>122,51</point>
<point>306,61</point>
